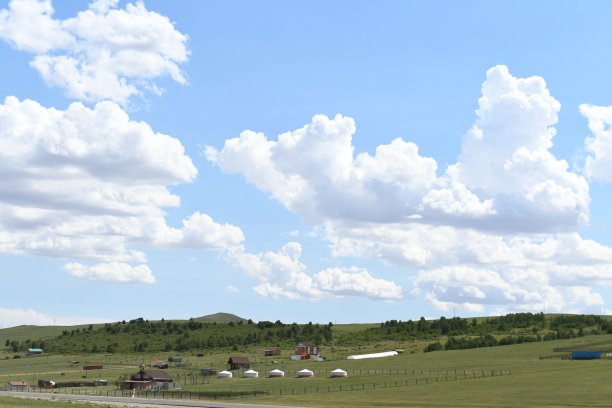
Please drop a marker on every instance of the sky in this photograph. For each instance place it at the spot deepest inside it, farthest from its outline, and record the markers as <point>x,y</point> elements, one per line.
<point>325,161</point>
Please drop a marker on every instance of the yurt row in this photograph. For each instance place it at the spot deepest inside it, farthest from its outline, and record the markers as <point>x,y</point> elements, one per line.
<point>278,373</point>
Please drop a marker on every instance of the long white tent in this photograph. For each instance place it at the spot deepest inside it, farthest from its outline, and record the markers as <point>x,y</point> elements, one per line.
<point>373,355</point>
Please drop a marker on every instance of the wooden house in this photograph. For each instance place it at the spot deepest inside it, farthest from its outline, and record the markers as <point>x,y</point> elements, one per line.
<point>238,362</point>
<point>150,380</point>
<point>16,386</point>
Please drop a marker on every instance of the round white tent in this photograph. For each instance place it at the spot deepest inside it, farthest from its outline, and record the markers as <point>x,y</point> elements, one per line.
<point>276,373</point>
<point>339,373</point>
<point>305,373</point>
<point>224,374</point>
<point>251,374</point>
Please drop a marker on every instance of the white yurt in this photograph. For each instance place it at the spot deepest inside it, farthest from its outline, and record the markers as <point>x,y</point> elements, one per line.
<point>276,373</point>
<point>251,374</point>
<point>224,374</point>
<point>305,373</point>
<point>339,373</point>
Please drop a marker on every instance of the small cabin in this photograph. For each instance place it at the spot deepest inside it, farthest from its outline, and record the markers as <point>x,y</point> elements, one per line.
<point>238,362</point>
<point>16,386</point>
<point>150,380</point>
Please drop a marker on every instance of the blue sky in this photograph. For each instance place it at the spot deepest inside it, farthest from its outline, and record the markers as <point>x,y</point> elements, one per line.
<point>303,161</point>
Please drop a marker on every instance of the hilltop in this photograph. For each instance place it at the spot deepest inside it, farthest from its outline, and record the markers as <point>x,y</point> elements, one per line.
<point>220,317</point>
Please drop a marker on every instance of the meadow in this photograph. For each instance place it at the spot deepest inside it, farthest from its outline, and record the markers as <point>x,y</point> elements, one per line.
<point>413,378</point>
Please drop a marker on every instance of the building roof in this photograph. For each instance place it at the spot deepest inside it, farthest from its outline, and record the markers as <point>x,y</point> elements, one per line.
<point>238,360</point>
<point>307,344</point>
<point>153,375</point>
<point>159,375</point>
<point>18,383</point>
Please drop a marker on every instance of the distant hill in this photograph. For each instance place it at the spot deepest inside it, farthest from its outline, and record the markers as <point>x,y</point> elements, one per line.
<point>24,332</point>
<point>220,318</point>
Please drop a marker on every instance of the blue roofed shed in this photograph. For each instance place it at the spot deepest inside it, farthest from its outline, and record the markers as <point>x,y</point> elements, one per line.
<point>586,355</point>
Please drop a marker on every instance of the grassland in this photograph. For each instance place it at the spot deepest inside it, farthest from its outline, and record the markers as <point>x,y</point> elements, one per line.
<point>531,382</point>
<point>9,402</point>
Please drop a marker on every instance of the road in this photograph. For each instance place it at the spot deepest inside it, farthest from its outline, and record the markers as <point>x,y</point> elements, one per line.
<point>134,402</point>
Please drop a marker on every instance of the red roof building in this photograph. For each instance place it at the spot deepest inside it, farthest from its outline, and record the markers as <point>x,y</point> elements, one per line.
<point>16,386</point>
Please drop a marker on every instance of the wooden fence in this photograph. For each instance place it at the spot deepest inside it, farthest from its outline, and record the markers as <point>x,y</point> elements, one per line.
<point>440,376</point>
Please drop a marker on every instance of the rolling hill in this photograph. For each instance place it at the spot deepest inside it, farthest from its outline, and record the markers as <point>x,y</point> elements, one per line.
<point>25,332</point>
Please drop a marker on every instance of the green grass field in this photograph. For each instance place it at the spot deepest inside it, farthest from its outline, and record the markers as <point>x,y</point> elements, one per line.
<point>8,402</point>
<point>532,382</point>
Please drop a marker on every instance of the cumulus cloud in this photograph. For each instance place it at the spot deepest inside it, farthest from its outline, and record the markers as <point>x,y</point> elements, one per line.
<point>505,157</point>
<point>312,171</point>
<point>598,163</point>
<point>92,184</point>
<point>103,53</point>
<point>495,230</point>
<point>281,274</point>
<point>506,179</point>
<point>472,270</point>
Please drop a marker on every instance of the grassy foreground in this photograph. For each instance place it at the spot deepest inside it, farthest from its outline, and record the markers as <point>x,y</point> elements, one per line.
<point>532,382</point>
<point>9,402</point>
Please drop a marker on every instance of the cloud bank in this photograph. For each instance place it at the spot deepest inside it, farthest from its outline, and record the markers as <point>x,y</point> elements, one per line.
<point>92,184</point>
<point>496,230</point>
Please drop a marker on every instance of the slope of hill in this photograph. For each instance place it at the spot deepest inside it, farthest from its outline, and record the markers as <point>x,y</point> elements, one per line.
<point>32,332</point>
<point>25,332</point>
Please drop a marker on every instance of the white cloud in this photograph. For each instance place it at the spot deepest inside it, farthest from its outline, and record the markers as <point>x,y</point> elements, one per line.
<point>281,274</point>
<point>29,25</point>
<point>114,272</point>
<point>104,53</point>
<point>506,179</point>
<point>92,184</point>
<point>598,163</point>
<point>472,270</point>
<point>232,289</point>
<point>496,230</point>
<point>16,317</point>
<point>505,157</point>
<point>312,172</point>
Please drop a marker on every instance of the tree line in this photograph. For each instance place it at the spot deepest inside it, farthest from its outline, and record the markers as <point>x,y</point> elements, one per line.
<point>141,335</point>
